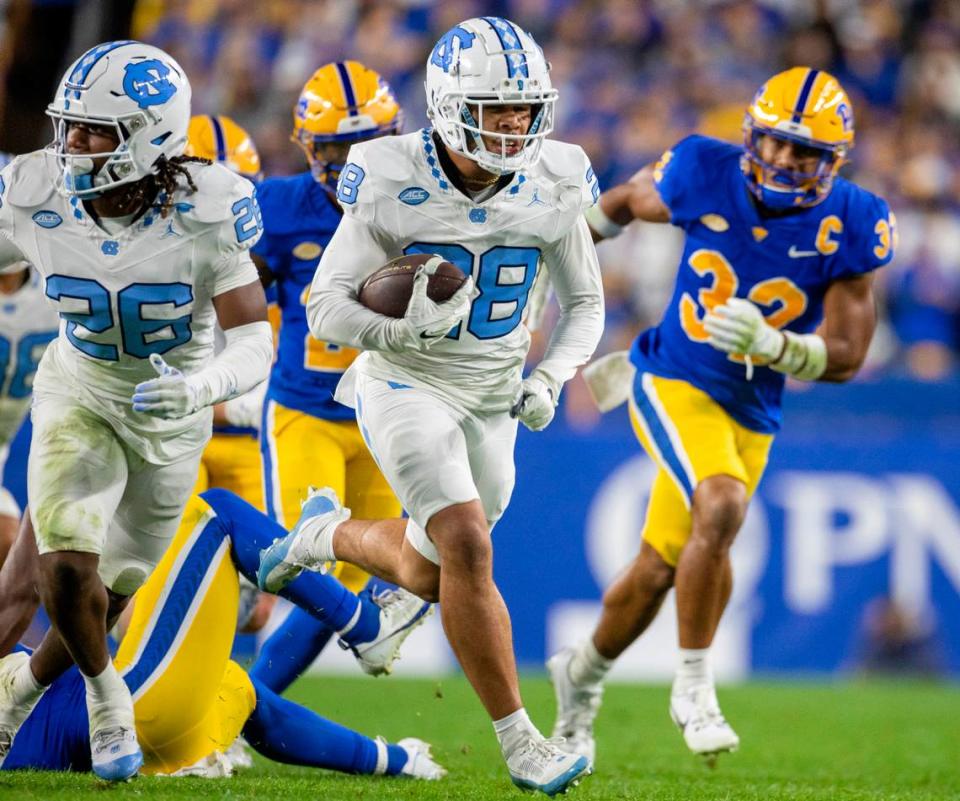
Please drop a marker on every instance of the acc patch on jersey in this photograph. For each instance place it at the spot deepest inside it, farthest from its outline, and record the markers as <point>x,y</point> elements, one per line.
<point>413,195</point>
<point>47,219</point>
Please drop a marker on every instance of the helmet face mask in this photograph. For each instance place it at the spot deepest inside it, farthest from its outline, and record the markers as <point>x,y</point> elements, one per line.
<point>486,62</point>
<point>809,109</point>
<point>342,103</point>
<point>139,93</point>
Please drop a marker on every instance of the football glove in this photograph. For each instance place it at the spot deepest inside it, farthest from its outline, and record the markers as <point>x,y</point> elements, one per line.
<point>738,326</point>
<point>428,322</point>
<point>536,405</point>
<point>170,396</point>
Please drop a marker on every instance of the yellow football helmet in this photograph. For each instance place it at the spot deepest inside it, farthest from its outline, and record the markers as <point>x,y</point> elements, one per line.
<point>342,103</point>
<point>809,108</point>
<point>220,139</point>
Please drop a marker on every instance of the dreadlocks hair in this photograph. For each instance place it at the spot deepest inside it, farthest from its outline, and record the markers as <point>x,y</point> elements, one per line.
<point>163,183</point>
<point>168,175</point>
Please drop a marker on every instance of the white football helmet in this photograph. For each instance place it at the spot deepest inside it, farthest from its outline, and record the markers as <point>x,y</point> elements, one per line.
<point>138,90</point>
<point>489,61</point>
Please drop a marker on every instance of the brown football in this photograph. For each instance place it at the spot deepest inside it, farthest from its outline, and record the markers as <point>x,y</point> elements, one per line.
<point>388,290</point>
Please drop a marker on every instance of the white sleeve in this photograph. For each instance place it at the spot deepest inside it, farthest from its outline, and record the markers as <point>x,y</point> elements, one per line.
<point>11,259</point>
<point>333,312</point>
<point>10,254</point>
<point>575,276</point>
<point>232,271</point>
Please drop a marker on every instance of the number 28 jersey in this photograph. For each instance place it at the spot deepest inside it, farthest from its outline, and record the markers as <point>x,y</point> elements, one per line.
<point>783,264</point>
<point>122,297</point>
<point>397,200</point>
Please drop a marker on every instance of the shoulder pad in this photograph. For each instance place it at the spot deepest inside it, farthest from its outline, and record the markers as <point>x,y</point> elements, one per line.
<point>386,157</point>
<point>217,190</point>
<point>568,168</point>
<point>33,179</point>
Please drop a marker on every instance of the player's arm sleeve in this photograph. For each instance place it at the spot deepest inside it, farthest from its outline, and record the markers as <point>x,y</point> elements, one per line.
<point>334,313</point>
<point>575,276</point>
<point>10,254</point>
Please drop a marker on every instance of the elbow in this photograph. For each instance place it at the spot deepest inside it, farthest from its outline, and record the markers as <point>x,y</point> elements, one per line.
<point>840,372</point>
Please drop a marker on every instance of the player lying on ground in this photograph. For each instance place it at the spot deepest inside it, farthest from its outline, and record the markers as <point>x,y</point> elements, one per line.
<point>190,700</point>
<point>775,281</point>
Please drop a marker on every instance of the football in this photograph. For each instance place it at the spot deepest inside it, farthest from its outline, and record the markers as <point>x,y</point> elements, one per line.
<point>388,290</point>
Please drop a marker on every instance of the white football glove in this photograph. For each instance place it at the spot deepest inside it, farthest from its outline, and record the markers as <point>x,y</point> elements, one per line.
<point>428,322</point>
<point>536,405</point>
<point>170,396</point>
<point>738,326</point>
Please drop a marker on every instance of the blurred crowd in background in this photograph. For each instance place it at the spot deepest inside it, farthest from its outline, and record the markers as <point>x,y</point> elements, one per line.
<point>634,77</point>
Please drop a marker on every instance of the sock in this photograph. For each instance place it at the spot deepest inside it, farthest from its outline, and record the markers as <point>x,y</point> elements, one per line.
<point>250,532</point>
<point>287,732</point>
<point>108,699</point>
<point>365,625</point>
<point>390,758</point>
<point>514,729</point>
<point>694,668</point>
<point>290,650</point>
<point>26,688</point>
<point>587,665</point>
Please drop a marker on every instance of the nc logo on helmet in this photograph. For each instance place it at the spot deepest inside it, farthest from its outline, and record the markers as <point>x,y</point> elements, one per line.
<point>148,82</point>
<point>443,52</point>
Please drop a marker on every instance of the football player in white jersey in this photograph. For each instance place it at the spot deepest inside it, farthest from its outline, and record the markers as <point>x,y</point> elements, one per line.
<point>27,325</point>
<point>142,251</point>
<point>438,393</point>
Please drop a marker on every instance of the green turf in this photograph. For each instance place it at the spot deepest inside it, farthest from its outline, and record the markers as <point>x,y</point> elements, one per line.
<point>809,742</point>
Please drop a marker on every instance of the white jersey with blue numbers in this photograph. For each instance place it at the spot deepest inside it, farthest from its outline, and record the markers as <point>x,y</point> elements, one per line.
<point>123,296</point>
<point>397,201</point>
<point>27,325</point>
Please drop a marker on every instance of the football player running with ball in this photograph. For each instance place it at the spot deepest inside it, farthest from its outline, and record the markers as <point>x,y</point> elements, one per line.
<point>438,393</point>
<point>142,252</point>
<point>775,280</point>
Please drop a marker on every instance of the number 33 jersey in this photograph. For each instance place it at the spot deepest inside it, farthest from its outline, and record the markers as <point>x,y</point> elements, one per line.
<point>123,296</point>
<point>397,200</point>
<point>784,264</point>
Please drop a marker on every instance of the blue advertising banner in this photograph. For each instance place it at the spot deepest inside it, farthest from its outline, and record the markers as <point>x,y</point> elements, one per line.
<point>861,501</point>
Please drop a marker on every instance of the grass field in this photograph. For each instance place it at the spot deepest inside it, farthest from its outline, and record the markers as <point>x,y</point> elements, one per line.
<point>814,742</point>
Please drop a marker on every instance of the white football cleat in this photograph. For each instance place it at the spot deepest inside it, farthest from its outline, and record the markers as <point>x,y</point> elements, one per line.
<point>240,754</point>
<point>577,707</point>
<point>115,753</point>
<point>697,715</point>
<point>539,764</point>
<point>420,764</point>
<point>13,711</point>
<point>400,613</point>
<point>303,550</point>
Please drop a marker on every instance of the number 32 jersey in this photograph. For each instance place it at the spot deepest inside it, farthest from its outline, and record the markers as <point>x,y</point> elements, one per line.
<point>397,200</point>
<point>123,296</point>
<point>783,264</point>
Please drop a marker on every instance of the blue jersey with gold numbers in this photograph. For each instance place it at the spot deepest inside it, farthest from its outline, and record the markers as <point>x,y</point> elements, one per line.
<point>784,264</point>
<point>299,217</point>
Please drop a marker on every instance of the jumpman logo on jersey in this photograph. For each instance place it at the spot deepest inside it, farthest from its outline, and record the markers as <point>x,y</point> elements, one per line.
<point>535,200</point>
<point>171,231</point>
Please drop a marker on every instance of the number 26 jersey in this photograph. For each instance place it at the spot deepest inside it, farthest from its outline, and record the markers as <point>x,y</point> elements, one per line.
<point>124,296</point>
